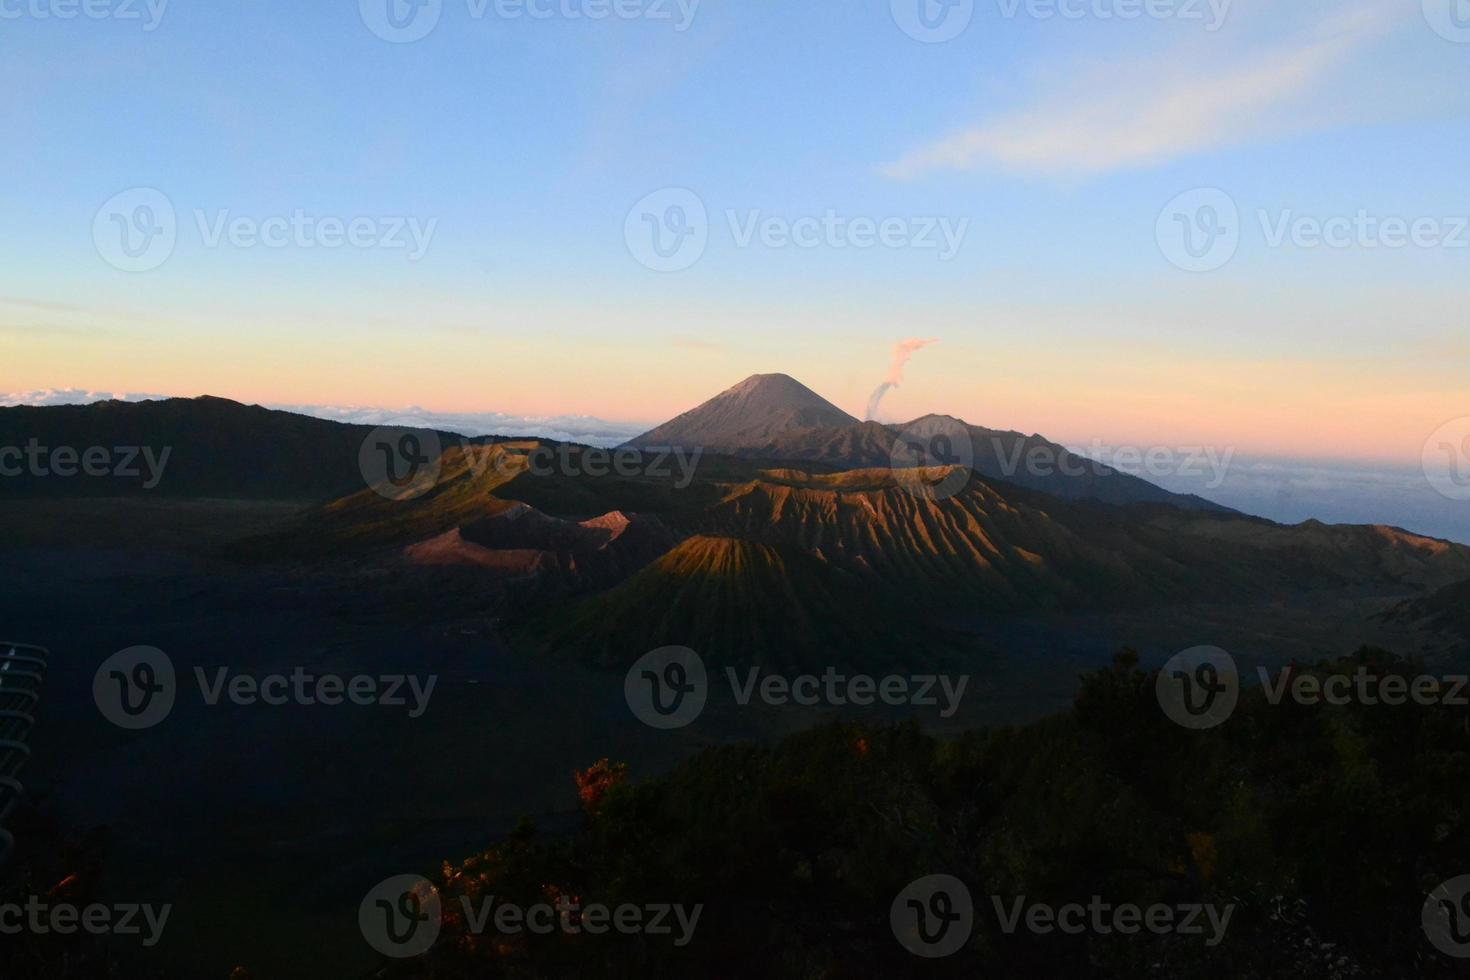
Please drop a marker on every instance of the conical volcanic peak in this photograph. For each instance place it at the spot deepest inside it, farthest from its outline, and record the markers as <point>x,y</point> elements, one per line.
<point>755,412</point>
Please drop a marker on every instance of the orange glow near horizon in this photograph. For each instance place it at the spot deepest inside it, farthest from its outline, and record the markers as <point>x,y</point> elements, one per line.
<point>1346,410</point>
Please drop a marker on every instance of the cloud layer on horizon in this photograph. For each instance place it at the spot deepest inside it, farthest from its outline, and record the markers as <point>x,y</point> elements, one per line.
<point>584,429</point>
<point>47,397</point>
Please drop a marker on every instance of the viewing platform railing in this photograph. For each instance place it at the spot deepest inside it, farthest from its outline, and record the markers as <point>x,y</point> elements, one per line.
<point>22,673</point>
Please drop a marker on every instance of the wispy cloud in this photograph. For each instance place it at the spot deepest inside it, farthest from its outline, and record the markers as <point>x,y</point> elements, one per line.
<point>1188,100</point>
<point>33,304</point>
<point>73,331</point>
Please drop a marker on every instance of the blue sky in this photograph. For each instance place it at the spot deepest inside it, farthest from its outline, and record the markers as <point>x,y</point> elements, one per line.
<point>526,141</point>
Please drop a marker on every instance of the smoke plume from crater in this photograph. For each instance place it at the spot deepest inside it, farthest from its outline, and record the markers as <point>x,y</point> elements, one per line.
<point>902,351</point>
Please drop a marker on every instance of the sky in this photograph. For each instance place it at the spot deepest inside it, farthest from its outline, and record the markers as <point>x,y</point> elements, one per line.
<point>1149,222</point>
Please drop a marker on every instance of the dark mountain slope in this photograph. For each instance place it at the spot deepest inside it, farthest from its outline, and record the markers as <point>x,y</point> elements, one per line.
<point>735,601</point>
<point>215,447</point>
<point>852,564</point>
<point>1446,611</point>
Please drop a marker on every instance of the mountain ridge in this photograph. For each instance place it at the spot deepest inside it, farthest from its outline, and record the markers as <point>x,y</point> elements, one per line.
<point>851,561</point>
<point>774,417</point>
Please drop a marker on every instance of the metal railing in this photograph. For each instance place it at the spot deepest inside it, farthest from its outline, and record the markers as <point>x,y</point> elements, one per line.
<point>22,672</point>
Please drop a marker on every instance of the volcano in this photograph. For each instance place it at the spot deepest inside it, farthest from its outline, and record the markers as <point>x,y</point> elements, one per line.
<point>762,410</point>
<point>776,418</point>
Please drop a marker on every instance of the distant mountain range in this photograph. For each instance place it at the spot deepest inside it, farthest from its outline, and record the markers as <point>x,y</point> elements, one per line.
<point>801,531</point>
<point>775,417</point>
<point>215,447</point>
<point>585,429</point>
<point>221,448</point>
